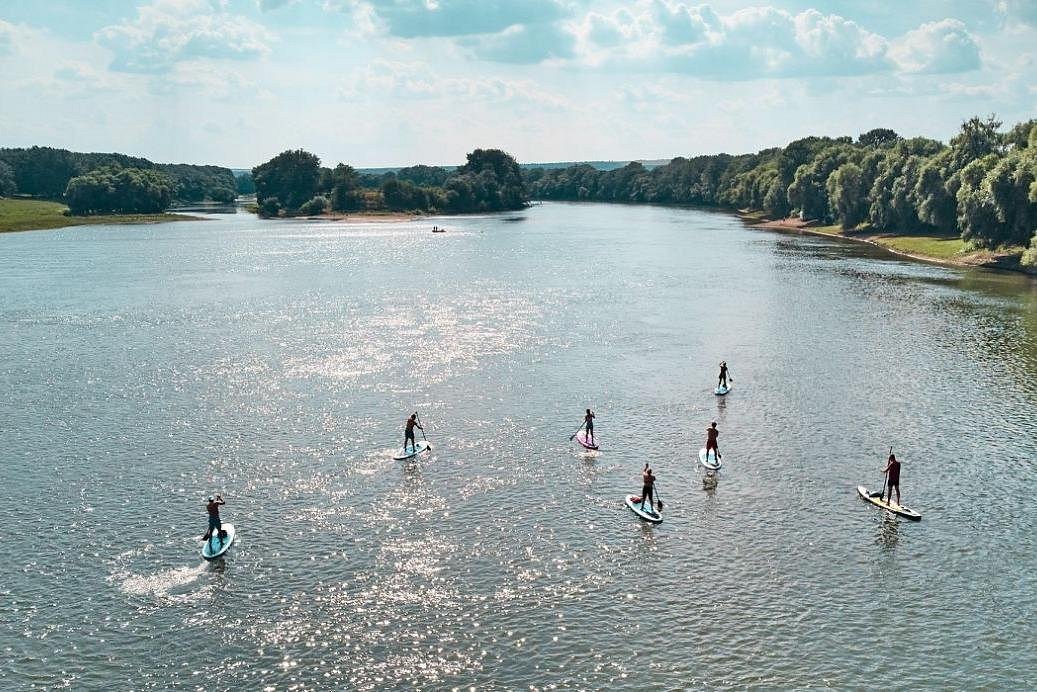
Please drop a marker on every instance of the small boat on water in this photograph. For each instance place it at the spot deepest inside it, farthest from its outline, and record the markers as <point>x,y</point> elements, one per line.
<point>437,229</point>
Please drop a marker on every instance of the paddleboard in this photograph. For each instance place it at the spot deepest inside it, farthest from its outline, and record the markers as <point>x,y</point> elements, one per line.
<point>581,437</point>
<point>888,505</point>
<point>711,463</point>
<point>721,391</point>
<point>214,547</point>
<point>411,451</point>
<point>648,514</point>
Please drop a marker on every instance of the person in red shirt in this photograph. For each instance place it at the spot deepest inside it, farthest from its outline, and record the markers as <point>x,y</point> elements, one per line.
<point>892,472</point>
<point>213,508</point>
<point>711,440</point>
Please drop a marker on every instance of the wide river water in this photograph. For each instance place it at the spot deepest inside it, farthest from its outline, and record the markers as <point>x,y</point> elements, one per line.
<point>143,368</point>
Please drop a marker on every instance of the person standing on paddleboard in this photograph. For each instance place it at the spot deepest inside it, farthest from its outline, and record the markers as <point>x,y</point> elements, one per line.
<point>711,440</point>
<point>892,472</point>
<point>408,434</point>
<point>647,488</point>
<point>213,508</point>
<point>588,422</point>
<point>722,380</point>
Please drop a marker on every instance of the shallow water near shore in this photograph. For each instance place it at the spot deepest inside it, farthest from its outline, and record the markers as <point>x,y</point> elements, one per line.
<point>275,361</point>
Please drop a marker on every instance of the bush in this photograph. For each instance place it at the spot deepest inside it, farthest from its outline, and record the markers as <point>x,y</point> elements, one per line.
<point>315,206</point>
<point>1029,258</point>
<point>270,207</point>
<point>344,198</point>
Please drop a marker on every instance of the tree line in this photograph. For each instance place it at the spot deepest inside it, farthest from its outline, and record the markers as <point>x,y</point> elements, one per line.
<point>980,186</point>
<point>294,182</point>
<point>95,183</point>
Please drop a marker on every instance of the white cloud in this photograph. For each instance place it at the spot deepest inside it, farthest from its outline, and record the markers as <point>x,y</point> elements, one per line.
<point>417,81</point>
<point>422,18</point>
<point>937,47</point>
<point>270,5</point>
<point>1024,11</point>
<point>78,78</point>
<point>9,35</point>
<point>170,31</point>
<point>750,43</point>
<point>523,44</point>
<point>199,79</point>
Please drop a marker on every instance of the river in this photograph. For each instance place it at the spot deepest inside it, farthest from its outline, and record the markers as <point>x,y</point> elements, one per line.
<point>275,361</point>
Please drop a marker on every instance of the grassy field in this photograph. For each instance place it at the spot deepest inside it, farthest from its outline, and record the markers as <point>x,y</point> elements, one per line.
<point>938,247</point>
<point>834,229</point>
<point>34,214</point>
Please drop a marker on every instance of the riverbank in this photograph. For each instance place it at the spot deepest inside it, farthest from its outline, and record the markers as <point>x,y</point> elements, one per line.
<point>364,217</point>
<point>37,215</point>
<point>947,250</point>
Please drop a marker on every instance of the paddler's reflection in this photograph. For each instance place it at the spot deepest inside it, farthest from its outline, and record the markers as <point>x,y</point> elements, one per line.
<point>889,532</point>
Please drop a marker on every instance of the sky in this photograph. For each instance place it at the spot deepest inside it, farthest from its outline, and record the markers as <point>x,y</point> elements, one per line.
<point>400,82</point>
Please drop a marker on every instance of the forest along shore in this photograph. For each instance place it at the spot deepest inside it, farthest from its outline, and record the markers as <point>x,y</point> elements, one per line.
<point>939,249</point>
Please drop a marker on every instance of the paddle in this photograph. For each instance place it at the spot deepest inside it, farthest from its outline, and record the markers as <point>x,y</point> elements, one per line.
<point>658,500</point>
<point>422,429</point>
<point>577,431</point>
<point>885,477</point>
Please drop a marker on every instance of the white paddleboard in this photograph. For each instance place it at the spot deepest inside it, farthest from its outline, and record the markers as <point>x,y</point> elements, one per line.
<point>411,451</point>
<point>215,546</point>
<point>721,391</point>
<point>711,463</point>
<point>888,505</point>
<point>648,514</point>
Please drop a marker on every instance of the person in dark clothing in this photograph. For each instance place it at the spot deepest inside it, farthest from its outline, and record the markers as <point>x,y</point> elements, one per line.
<point>213,508</point>
<point>588,422</point>
<point>722,381</point>
<point>647,488</point>
<point>711,440</point>
<point>892,472</point>
<point>408,434</point>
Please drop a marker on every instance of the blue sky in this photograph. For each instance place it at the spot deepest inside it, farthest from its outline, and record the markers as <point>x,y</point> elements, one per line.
<point>389,82</point>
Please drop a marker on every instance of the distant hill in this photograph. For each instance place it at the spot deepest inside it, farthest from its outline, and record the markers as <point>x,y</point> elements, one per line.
<point>551,165</point>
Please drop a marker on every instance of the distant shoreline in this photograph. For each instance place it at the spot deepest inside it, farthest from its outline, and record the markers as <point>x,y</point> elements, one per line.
<point>354,217</point>
<point>945,250</point>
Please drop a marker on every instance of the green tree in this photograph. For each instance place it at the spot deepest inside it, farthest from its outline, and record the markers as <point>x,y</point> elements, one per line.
<point>498,179</point>
<point>934,194</point>
<point>977,215</point>
<point>1019,136</point>
<point>1012,186</point>
<point>399,195</point>
<point>977,138</point>
<point>878,137</point>
<point>244,184</point>
<point>291,176</point>
<point>848,195</point>
<point>120,191</point>
<point>8,186</point>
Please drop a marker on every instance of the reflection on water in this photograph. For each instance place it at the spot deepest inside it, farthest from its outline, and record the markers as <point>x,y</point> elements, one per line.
<point>888,532</point>
<point>144,368</point>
